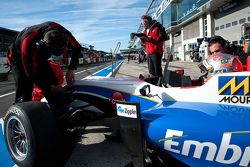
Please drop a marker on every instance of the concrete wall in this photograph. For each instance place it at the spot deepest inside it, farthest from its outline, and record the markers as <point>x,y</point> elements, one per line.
<point>191,30</point>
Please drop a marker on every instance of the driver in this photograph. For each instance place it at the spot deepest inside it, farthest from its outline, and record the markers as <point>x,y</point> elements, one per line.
<point>28,57</point>
<point>219,63</point>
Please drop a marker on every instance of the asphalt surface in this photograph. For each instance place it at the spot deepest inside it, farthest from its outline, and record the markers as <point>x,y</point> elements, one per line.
<point>134,69</point>
<point>93,149</point>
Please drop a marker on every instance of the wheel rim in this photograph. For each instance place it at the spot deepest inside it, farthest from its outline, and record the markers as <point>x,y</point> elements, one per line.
<point>16,138</point>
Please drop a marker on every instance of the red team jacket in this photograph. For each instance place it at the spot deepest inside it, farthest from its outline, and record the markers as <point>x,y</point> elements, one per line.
<point>34,63</point>
<point>156,46</point>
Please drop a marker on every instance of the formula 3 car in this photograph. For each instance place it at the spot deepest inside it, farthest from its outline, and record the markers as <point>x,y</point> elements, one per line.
<point>206,125</point>
<point>192,125</point>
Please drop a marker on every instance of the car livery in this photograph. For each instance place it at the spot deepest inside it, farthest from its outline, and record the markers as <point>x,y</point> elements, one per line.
<point>204,125</point>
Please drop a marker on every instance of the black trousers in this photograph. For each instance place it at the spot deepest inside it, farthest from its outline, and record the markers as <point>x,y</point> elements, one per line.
<point>24,85</point>
<point>154,64</point>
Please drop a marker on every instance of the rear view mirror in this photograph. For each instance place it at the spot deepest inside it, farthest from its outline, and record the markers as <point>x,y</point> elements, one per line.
<point>145,90</point>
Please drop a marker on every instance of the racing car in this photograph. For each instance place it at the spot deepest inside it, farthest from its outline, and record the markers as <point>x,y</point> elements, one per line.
<point>204,125</point>
<point>187,125</point>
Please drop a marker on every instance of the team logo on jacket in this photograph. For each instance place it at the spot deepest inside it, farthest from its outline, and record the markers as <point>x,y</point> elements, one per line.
<point>234,89</point>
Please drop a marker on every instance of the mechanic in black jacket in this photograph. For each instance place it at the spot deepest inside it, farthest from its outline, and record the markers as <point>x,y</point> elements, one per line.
<point>28,57</point>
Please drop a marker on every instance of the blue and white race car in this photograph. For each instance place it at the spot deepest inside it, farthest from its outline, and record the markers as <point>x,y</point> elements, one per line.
<point>206,125</point>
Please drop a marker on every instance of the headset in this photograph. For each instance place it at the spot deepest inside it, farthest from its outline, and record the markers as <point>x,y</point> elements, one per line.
<point>42,45</point>
<point>42,48</point>
<point>48,49</point>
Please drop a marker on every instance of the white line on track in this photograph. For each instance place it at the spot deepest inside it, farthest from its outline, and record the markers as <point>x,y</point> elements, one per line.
<point>7,94</point>
<point>10,93</point>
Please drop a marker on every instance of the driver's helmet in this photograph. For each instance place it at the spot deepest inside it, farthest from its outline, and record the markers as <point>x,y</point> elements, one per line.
<point>219,63</point>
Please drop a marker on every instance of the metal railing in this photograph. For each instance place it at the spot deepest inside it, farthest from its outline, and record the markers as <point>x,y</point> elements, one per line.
<point>114,55</point>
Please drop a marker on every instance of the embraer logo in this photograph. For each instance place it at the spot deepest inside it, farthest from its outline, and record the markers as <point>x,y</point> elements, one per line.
<point>235,89</point>
<point>225,152</point>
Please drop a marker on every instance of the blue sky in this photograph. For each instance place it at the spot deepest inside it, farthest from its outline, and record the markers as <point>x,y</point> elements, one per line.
<point>101,23</point>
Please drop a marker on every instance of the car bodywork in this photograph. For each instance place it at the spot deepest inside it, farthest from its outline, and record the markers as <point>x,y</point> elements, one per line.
<point>204,125</point>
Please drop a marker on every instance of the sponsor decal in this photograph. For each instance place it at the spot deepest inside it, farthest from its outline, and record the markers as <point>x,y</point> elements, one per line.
<point>233,109</point>
<point>170,138</point>
<point>224,153</point>
<point>14,111</point>
<point>216,58</point>
<point>225,62</point>
<point>225,65</point>
<point>220,71</point>
<point>234,89</point>
<point>126,110</point>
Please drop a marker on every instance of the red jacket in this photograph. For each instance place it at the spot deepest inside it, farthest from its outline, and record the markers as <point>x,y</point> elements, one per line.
<point>155,45</point>
<point>34,63</point>
<point>37,93</point>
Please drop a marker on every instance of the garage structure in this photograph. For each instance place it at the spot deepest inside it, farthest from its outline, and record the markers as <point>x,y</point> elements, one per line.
<point>186,21</point>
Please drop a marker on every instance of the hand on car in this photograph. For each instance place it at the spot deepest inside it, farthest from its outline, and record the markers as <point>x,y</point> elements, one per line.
<point>70,77</point>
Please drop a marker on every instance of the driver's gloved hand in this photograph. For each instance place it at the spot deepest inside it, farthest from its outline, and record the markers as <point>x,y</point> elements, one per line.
<point>202,79</point>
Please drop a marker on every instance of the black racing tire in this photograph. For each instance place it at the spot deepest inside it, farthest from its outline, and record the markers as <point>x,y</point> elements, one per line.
<point>31,134</point>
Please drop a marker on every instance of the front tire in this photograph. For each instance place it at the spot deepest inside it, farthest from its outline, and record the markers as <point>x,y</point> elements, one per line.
<point>31,132</point>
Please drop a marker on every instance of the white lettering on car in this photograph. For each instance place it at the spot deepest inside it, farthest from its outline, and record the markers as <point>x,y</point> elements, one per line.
<point>214,152</point>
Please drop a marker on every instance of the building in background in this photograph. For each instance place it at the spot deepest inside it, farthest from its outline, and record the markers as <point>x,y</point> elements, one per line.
<point>6,38</point>
<point>188,20</point>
